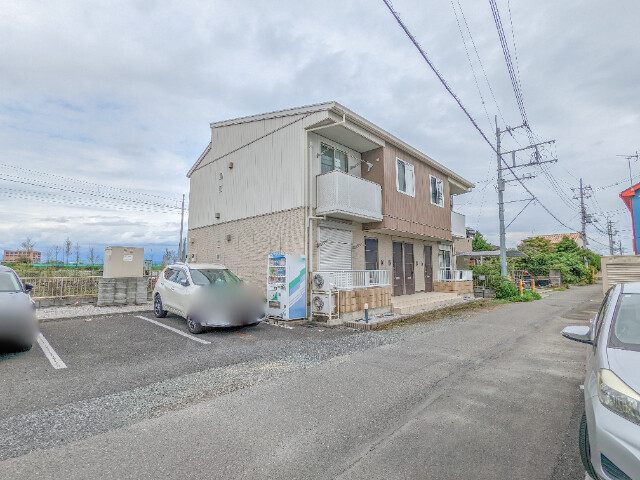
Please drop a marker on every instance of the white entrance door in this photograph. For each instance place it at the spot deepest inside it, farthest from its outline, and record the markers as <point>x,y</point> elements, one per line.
<point>334,252</point>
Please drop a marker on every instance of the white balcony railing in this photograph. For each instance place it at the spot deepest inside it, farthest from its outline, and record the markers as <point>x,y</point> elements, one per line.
<point>458,226</point>
<point>346,196</point>
<point>350,279</point>
<point>446,275</point>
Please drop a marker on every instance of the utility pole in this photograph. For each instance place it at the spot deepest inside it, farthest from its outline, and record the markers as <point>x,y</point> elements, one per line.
<point>620,247</point>
<point>503,237</point>
<point>610,232</point>
<point>180,259</point>
<point>585,192</point>
<point>502,182</point>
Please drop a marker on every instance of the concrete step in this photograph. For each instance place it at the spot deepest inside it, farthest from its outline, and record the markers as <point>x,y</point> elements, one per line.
<point>425,306</point>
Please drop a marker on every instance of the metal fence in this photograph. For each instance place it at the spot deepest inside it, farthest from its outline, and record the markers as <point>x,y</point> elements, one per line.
<point>69,287</point>
<point>63,287</point>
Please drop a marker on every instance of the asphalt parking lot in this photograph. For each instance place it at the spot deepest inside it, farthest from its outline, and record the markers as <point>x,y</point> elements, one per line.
<point>332,401</point>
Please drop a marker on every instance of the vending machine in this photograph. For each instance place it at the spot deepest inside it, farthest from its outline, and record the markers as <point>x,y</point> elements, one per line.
<point>286,286</point>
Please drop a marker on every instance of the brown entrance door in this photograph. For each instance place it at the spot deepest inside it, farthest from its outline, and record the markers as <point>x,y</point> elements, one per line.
<point>398,269</point>
<point>409,270</point>
<point>371,254</point>
<point>428,270</point>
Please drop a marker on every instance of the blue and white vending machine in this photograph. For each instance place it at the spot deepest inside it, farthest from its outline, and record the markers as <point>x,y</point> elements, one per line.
<point>287,286</point>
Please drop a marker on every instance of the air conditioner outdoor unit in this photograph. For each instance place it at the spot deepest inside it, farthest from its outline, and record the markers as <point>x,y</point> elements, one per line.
<point>323,303</point>
<point>323,281</point>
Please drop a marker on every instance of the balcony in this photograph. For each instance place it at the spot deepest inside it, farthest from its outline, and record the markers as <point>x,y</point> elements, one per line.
<point>348,197</point>
<point>458,226</point>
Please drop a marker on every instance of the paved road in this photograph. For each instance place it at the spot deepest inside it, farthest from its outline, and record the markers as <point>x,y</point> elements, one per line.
<point>491,395</point>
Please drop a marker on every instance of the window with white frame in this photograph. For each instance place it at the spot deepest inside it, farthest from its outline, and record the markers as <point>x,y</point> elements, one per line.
<point>437,191</point>
<point>444,260</point>
<point>332,159</point>
<point>405,178</point>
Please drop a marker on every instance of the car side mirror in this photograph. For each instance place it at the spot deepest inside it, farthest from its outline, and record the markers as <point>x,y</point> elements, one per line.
<point>28,287</point>
<point>184,283</point>
<point>578,333</point>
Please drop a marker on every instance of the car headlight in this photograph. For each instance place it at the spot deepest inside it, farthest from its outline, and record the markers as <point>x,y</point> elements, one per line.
<point>618,397</point>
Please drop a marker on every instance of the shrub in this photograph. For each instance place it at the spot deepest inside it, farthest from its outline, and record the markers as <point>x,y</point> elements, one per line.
<point>527,296</point>
<point>506,289</point>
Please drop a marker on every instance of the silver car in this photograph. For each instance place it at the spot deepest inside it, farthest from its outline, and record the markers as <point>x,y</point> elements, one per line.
<point>18,324</point>
<point>609,436</point>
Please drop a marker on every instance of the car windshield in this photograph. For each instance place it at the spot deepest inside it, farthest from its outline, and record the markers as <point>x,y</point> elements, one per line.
<point>626,324</point>
<point>213,276</point>
<point>9,283</point>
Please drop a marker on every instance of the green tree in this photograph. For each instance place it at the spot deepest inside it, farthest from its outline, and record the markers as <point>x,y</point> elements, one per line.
<point>479,244</point>
<point>536,246</point>
<point>566,245</point>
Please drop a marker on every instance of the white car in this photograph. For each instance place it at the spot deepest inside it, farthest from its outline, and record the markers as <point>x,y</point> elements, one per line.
<point>206,295</point>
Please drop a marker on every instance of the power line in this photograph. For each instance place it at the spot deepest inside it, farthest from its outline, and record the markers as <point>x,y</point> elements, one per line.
<point>473,71</point>
<point>79,191</point>
<point>455,97</point>
<point>77,181</point>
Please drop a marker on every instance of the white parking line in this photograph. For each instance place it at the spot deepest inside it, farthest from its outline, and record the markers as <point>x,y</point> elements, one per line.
<point>175,330</point>
<point>54,359</point>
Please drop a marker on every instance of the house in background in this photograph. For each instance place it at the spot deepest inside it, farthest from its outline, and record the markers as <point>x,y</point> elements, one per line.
<point>14,255</point>
<point>324,182</point>
<point>557,238</point>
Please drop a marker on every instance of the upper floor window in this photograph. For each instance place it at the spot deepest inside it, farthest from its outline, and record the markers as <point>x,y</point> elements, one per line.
<point>332,159</point>
<point>405,178</point>
<point>437,191</point>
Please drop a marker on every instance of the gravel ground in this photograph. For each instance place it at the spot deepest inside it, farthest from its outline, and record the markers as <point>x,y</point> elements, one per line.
<point>70,311</point>
<point>58,425</point>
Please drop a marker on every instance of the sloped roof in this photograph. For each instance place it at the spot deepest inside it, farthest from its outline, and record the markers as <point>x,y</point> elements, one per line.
<point>351,116</point>
<point>557,237</point>
<point>628,194</point>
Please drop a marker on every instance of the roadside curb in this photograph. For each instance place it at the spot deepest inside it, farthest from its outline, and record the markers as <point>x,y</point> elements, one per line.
<point>92,315</point>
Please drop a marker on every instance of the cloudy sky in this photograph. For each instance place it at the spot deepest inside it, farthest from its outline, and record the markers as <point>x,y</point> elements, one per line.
<point>104,106</point>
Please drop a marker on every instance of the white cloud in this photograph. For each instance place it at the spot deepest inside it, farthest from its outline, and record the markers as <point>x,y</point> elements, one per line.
<point>122,93</point>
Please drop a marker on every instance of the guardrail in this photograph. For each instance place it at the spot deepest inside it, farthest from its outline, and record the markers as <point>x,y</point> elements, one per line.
<point>69,287</point>
<point>445,275</point>
<point>350,279</point>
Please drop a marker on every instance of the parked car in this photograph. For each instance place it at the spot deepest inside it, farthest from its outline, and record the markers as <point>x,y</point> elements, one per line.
<point>609,436</point>
<point>18,324</point>
<point>206,295</point>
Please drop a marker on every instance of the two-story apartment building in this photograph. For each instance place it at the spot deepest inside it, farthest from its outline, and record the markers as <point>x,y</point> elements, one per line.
<point>323,182</point>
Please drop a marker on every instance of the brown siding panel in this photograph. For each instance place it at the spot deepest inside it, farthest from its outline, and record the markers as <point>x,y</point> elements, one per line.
<point>403,213</point>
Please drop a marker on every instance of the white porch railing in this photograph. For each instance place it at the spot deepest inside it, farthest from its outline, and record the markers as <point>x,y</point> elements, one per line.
<point>445,275</point>
<point>350,279</point>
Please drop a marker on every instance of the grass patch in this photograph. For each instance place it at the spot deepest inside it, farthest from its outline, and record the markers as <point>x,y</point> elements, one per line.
<point>453,311</point>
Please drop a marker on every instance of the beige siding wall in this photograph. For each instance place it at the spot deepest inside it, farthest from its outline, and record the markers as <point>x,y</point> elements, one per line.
<point>268,175</point>
<point>251,241</point>
<point>385,254</point>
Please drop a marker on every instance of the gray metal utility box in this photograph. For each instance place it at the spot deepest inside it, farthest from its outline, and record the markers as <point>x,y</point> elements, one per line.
<point>123,262</point>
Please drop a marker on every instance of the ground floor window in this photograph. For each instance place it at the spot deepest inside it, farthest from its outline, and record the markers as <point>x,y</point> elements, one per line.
<point>445,260</point>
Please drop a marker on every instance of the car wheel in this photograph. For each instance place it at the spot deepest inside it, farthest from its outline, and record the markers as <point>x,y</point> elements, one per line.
<point>585,449</point>
<point>193,326</point>
<point>157,307</point>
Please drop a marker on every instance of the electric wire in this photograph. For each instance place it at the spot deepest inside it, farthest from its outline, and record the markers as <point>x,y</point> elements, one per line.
<point>471,119</point>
